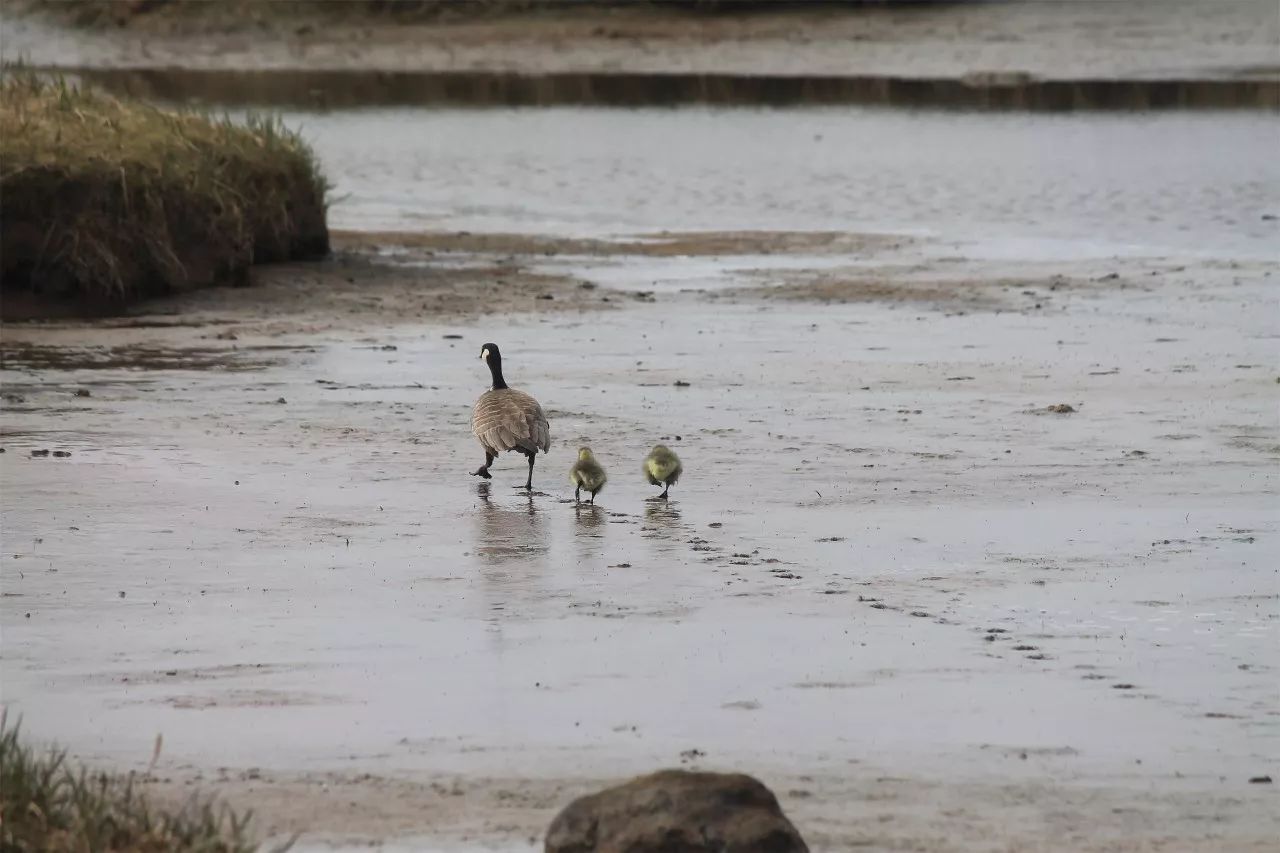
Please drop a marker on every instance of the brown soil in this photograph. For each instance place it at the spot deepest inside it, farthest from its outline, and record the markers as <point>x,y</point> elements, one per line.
<point>958,291</point>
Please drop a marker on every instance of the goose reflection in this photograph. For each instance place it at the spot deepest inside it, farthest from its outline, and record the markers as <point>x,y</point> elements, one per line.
<point>507,534</point>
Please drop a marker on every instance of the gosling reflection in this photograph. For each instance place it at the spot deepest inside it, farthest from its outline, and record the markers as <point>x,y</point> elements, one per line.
<point>510,532</point>
<point>590,524</point>
<point>661,520</point>
<point>590,518</point>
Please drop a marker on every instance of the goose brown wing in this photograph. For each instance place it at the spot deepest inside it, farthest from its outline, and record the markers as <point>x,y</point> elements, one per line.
<point>539,429</point>
<point>506,419</point>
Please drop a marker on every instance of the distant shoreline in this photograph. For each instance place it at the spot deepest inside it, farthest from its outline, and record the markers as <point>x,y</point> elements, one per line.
<point>1016,55</point>
<point>351,88</point>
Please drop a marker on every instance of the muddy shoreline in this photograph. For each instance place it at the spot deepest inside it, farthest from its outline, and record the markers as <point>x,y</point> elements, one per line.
<point>996,56</point>
<point>1018,609</point>
<point>336,89</point>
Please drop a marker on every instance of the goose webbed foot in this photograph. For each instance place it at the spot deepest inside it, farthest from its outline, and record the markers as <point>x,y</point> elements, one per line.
<point>482,471</point>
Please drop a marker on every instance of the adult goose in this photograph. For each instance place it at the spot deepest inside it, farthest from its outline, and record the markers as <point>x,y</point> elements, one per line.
<point>506,419</point>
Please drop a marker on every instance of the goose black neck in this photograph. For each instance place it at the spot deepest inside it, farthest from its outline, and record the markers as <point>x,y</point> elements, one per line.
<point>495,367</point>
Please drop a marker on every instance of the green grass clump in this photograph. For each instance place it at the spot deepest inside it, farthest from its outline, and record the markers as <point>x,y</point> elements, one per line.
<point>104,200</point>
<point>47,805</point>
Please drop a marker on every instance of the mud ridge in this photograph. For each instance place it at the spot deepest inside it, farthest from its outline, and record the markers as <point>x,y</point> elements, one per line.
<point>337,88</point>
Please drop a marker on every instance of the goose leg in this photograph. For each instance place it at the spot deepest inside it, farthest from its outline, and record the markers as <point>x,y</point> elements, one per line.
<point>528,484</point>
<point>483,470</point>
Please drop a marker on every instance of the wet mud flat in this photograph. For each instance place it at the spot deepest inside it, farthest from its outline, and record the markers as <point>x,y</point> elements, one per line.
<point>971,552</point>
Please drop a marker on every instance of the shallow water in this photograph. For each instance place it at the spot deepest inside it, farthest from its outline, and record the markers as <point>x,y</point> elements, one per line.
<point>1024,185</point>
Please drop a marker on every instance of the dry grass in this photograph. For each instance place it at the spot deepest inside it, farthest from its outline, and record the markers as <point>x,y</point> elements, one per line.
<point>103,200</point>
<point>48,805</point>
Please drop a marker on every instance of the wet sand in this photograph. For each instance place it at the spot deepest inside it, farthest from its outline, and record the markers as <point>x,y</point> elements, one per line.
<point>927,611</point>
<point>930,612</point>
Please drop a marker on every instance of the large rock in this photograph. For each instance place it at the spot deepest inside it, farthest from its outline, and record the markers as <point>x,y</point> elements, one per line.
<point>675,811</point>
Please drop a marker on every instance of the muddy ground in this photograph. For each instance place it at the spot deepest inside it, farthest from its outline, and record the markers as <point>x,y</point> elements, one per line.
<point>929,612</point>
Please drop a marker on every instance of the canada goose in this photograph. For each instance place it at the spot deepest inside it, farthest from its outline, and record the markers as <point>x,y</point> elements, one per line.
<point>587,474</point>
<point>507,419</point>
<point>662,467</point>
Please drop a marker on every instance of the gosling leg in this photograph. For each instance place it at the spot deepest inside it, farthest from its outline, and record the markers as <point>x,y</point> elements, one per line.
<point>577,494</point>
<point>664,493</point>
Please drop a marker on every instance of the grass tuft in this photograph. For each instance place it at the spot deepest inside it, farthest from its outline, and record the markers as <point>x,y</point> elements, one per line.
<point>104,201</point>
<point>48,805</point>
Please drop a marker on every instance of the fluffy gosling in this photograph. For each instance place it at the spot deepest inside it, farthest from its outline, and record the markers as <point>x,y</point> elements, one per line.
<point>587,474</point>
<point>662,468</point>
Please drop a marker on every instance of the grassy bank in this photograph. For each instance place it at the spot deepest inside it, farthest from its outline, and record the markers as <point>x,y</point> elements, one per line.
<point>103,201</point>
<point>48,805</point>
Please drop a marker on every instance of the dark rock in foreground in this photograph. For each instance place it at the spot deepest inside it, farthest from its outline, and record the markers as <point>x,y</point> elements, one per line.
<point>675,811</point>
